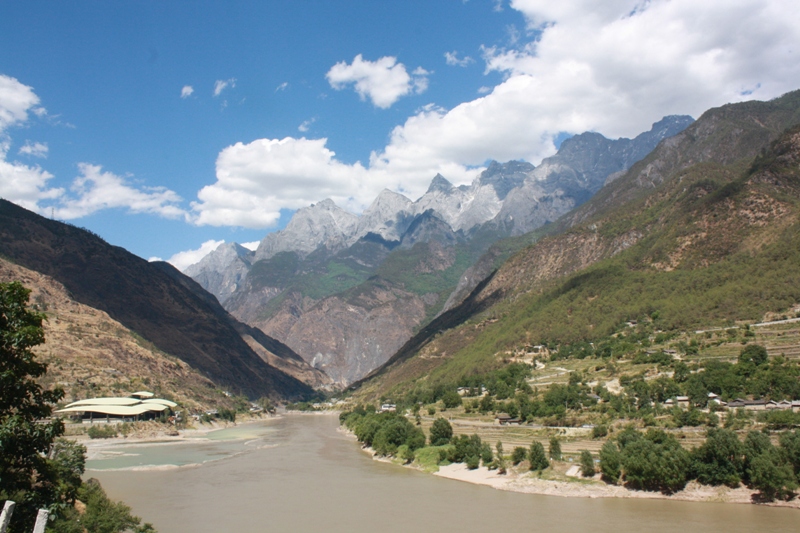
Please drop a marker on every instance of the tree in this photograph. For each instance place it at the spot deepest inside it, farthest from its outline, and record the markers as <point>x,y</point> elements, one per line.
<point>441,432</point>
<point>587,464</point>
<point>26,475</point>
<point>518,455</point>
<point>555,449</point>
<point>500,459</point>
<point>753,354</point>
<point>451,399</point>
<point>610,462</point>
<point>655,462</point>
<point>719,461</point>
<point>537,457</point>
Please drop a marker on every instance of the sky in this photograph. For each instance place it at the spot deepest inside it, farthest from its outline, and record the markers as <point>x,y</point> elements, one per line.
<point>169,127</point>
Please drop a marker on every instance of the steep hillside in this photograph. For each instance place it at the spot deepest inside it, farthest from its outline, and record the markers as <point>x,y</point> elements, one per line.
<point>714,242</point>
<point>90,354</point>
<point>143,298</point>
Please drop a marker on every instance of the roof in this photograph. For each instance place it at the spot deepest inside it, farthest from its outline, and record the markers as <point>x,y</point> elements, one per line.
<point>116,410</point>
<point>119,406</point>
<point>106,401</point>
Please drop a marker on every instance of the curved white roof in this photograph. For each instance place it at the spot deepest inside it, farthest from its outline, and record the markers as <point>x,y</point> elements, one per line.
<point>106,401</point>
<point>116,410</point>
<point>161,401</point>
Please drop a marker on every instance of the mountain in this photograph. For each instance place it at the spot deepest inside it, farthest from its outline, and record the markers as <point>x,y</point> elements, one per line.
<point>222,271</point>
<point>302,276</point>
<point>178,317</point>
<point>90,354</point>
<point>704,231</point>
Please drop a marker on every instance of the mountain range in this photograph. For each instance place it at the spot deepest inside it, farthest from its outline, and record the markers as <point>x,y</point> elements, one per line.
<point>704,231</point>
<point>346,291</point>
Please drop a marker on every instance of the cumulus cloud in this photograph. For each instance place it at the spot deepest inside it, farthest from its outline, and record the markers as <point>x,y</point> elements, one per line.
<point>16,100</point>
<point>221,85</point>
<point>256,180</point>
<point>187,91</point>
<point>94,190</point>
<point>612,67</point>
<point>383,81</point>
<point>183,260</point>
<point>36,149</point>
<point>22,184</point>
<point>451,58</point>
<point>252,246</point>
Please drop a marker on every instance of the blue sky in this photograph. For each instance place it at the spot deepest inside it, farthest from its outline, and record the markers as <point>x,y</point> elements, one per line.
<point>164,125</point>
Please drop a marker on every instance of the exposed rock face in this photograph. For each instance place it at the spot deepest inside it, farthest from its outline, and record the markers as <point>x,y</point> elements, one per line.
<point>223,270</point>
<point>323,224</point>
<point>347,336</point>
<point>322,240</point>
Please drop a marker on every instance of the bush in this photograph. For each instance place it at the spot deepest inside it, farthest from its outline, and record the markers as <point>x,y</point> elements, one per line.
<point>598,432</point>
<point>587,464</point>
<point>441,432</point>
<point>102,432</point>
<point>555,449</point>
<point>537,457</point>
<point>610,462</point>
<point>518,455</point>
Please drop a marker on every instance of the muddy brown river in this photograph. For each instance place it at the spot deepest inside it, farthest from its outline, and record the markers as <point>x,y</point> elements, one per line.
<point>299,474</point>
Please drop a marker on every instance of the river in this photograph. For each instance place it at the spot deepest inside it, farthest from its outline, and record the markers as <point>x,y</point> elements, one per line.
<point>299,474</point>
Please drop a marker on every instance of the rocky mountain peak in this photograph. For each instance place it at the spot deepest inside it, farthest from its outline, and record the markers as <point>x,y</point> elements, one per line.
<point>505,176</point>
<point>320,224</point>
<point>440,184</point>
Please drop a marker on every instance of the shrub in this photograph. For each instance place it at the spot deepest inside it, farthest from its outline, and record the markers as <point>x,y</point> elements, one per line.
<point>102,432</point>
<point>587,464</point>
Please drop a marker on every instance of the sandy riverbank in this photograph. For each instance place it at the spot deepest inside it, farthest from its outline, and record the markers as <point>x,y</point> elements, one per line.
<point>530,483</point>
<point>152,432</point>
<point>524,481</point>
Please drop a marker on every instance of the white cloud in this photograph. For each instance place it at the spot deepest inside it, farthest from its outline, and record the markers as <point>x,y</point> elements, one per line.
<point>451,58</point>
<point>613,67</point>
<point>282,87</point>
<point>306,124</point>
<point>383,81</point>
<point>22,184</point>
<point>256,180</point>
<point>36,149</point>
<point>187,91</point>
<point>16,100</point>
<point>252,246</point>
<point>95,190</point>
<point>183,260</point>
<point>221,85</point>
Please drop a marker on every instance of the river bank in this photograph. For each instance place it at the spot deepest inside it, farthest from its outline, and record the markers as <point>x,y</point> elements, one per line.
<point>563,480</point>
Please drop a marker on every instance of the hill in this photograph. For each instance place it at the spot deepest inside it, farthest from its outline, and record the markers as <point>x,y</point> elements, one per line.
<point>702,231</point>
<point>145,298</point>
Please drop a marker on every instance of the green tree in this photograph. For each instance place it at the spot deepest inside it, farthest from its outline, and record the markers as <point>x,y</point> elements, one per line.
<point>500,459</point>
<point>26,475</point>
<point>451,399</point>
<point>753,354</point>
<point>719,461</point>
<point>441,432</point>
<point>771,475</point>
<point>655,462</point>
<point>555,449</point>
<point>790,443</point>
<point>587,464</point>
<point>518,455</point>
<point>610,462</point>
<point>537,457</point>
